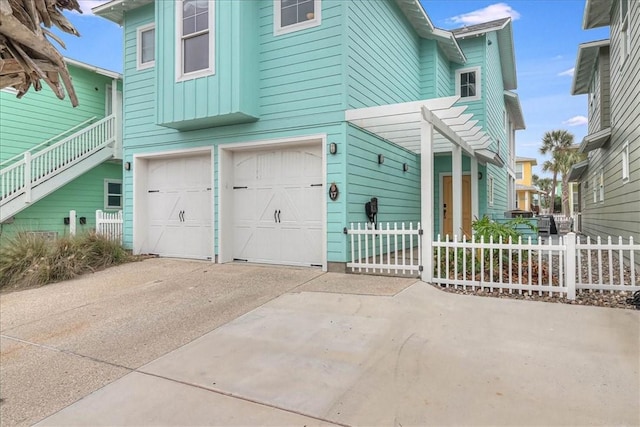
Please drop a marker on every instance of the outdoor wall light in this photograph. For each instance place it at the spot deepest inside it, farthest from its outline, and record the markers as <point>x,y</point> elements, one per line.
<point>83,220</point>
<point>405,167</point>
<point>380,159</point>
<point>479,175</point>
<point>333,148</point>
<point>127,166</point>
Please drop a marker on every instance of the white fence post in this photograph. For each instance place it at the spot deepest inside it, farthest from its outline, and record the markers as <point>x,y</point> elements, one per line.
<point>72,222</point>
<point>27,177</point>
<point>570,267</point>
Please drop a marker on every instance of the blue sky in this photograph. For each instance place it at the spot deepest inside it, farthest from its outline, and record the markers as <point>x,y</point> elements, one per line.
<point>546,36</point>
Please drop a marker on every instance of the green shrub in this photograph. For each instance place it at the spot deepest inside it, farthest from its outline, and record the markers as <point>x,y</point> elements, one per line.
<point>28,260</point>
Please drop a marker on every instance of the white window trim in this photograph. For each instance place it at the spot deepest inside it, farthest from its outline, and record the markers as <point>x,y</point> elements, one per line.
<point>278,29</point>
<point>106,194</point>
<point>210,70</point>
<point>625,37</point>
<point>478,83</point>
<point>625,162</point>
<point>601,185</point>
<point>139,64</point>
<point>595,189</point>
<point>490,190</point>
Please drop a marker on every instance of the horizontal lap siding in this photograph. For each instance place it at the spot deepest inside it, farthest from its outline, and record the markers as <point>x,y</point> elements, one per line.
<point>619,214</point>
<point>383,56</point>
<point>85,195</point>
<point>444,82</point>
<point>398,192</point>
<point>38,116</point>
<point>494,123</point>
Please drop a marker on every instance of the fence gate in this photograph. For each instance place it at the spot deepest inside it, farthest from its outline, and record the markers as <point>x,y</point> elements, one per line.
<point>109,224</point>
<point>378,249</point>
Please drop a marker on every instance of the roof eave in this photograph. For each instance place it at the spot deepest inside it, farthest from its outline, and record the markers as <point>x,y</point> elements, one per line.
<point>597,13</point>
<point>421,23</point>
<point>93,68</point>
<point>512,101</point>
<point>585,61</point>
<point>507,56</point>
<point>114,10</point>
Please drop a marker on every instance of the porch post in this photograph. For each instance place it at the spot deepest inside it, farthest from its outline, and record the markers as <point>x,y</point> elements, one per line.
<point>526,201</point>
<point>426,197</point>
<point>475,211</point>
<point>456,193</point>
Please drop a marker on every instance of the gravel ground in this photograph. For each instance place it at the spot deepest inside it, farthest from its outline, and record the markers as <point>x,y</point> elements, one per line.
<point>594,298</point>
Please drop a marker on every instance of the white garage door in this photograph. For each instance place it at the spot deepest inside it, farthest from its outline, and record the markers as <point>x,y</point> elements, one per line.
<point>277,209</point>
<point>179,207</point>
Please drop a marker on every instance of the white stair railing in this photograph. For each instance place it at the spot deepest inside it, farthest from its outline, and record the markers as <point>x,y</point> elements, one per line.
<point>49,141</point>
<point>20,177</point>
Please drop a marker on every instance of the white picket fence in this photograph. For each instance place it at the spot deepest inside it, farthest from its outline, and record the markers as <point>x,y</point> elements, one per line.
<point>109,224</point>
<point>558,267</point>
<point>376,249</point>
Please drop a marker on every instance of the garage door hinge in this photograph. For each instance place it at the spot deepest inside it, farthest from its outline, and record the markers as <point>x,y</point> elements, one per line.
<point>240,259</point>
<point>316,265</point>
<point>316,185</point>
<point>239,188</point>
<point>209,258</point>
<point>208,188</point>
<point>154,191</point>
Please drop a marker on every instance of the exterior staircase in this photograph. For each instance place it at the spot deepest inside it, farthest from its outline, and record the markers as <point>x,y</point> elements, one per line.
<point>42,170</point>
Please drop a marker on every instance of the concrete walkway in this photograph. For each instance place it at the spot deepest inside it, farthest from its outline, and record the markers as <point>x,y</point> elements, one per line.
<point>330,350</point>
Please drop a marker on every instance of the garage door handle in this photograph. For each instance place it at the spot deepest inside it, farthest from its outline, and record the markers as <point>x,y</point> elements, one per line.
<point>279,216</point>
<point>275,216</point>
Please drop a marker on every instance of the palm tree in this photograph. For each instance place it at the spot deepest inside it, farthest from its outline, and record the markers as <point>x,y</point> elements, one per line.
<point>544,184</point>
<point>553,142</point>
<point>566,159</point>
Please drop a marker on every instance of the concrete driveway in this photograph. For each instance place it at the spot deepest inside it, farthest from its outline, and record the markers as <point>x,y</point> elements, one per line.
<point>187,343</point>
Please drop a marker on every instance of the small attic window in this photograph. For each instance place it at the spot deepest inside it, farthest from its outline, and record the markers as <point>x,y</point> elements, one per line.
<point>468,84</point>
<point>295,15</point>
<point>146,46</point>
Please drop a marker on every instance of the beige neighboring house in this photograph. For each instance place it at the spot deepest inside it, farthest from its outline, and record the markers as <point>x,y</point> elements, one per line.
<point>607,71</point>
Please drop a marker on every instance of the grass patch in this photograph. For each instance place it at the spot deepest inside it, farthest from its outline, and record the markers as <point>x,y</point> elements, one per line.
<point>29,260</point>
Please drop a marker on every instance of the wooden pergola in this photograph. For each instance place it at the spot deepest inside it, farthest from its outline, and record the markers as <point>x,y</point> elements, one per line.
<point>27,57</point>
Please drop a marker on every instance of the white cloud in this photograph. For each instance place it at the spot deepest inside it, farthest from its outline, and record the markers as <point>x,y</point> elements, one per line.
<point>568,72</point>
<point>576,121</point>
<point>489,13</point>
<point>87,5</point>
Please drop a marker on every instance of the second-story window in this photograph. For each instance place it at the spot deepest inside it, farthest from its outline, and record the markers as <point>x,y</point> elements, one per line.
<point>468,84</point>
<point>519,170</point>
<point>146,46</point>
<point>294,15</point>
<point>195,38</point>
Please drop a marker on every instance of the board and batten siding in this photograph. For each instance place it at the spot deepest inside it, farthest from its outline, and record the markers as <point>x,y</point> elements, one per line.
<point>84,194</point>
<point>619,213</point>
<point>383,55</point>
<point>22,124</point>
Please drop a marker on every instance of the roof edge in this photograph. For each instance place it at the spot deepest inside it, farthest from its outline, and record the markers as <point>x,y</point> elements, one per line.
<point>93,68</point>
<point>581,68</point>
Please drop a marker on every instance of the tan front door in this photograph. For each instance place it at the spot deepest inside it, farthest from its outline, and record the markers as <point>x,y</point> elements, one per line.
<point>447,201</point>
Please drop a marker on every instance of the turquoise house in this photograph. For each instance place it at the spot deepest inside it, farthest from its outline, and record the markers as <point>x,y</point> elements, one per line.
<point>55,158</point>
<point>258,130</point>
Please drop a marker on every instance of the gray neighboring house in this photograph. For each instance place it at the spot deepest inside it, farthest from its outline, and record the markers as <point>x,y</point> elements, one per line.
<point>607,71</point>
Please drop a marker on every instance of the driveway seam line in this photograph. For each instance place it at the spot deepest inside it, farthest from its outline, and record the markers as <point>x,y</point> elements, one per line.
<point>246,399</point>
<point>69,352</point>
<point>309,280</point>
